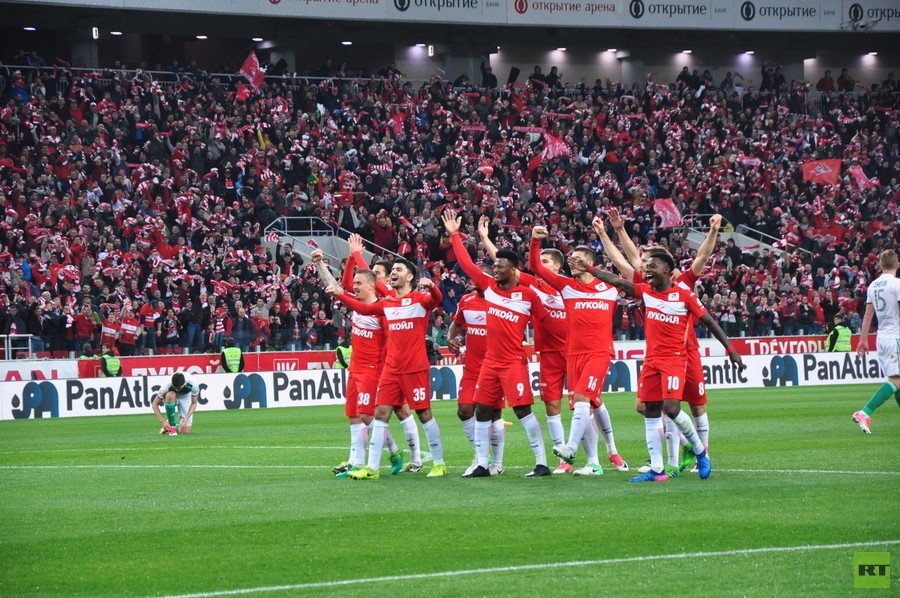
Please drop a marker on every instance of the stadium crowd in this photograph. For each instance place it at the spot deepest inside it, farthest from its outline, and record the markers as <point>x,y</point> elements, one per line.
<point>135,209</point>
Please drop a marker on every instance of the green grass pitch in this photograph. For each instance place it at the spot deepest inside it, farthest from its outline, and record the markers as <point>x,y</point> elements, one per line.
<point>106,507</point>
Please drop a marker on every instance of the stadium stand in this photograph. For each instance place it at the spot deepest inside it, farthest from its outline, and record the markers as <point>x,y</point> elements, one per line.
<point>154,197</point>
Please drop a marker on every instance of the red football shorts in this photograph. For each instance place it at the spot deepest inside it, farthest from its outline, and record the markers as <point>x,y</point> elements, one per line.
<point>694,383</point>
<point>662,379</point>
<point>361,390</point>
<point>587,375</point>
<point>499,380</point>
<point>413,389</point>
<point>553,375</point>
<point>466,394</point>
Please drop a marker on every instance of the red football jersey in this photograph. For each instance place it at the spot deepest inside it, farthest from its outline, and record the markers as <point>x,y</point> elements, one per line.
<point>550,334</point>
<point>508,311</point>
<point>686,280</point>
<point>668,318</point>
<point>368,340</point>
<point>589,307</point>
<point>472,312</point>
<point>407,325</point>
<point>108,333</point>
<point>129,331</point>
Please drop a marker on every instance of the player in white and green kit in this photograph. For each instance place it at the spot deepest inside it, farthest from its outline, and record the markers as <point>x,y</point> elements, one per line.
<point>883,301</point>
<point>179,397</point>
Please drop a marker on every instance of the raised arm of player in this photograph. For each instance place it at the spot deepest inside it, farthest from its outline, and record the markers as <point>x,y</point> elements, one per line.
<point>609,278</point>
<point>716,330</point>
<point>356,257</point>
<point>426,284</point>
<point>611,251</point>
<point>538,234</point>
<point>347,276</point>
<point>452,224</point>
<point>485,237</point>
<point>863,346</point>
<point>325,275</point>
<point>709,244</point>
<point>628,246</point>
<point>365,309</point>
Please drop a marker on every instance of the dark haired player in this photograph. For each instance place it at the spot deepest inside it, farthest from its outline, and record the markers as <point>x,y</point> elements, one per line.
<point>405,375</point>
<point>181,396</point>
<point>669,310</point>
<point>470,324</point>
<point>590,304</point>
<point>549,338</point>
<point>504,371</point>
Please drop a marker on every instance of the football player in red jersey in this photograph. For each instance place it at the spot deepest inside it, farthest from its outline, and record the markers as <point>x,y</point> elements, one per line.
<point>590,304</point>
<point>504,373</point>
<point>669,311</point>
<point>405,377</point>
<point>470,325</point>
<point>550,343</point>
<point>695,387</point>
<point>369,338</point>
<point>382,268</point>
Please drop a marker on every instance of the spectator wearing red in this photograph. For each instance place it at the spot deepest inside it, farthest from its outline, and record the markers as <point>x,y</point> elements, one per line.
<point>110,330</point>
<point>150,315</point>
<point>84,327</point>
<point>826,83</point>
<point>131,329</point>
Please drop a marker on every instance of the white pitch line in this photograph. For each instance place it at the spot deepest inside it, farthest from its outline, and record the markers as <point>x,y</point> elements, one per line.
<point>171,447</point>
<point>536,567</point>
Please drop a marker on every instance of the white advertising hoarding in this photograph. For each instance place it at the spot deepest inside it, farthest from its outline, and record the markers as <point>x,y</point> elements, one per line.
<point>118,396</point>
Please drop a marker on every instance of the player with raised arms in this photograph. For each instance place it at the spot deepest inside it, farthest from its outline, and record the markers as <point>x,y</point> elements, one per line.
<point>381,268</point>
<point>590,304</point>
<point>630,265</point>
<point>550,343</point>
<point>405,377</point>
<point>882,299</point>
<point>368,342</point>
<point>470,324</point>
<point>669,309</point>
<point>504,372</point>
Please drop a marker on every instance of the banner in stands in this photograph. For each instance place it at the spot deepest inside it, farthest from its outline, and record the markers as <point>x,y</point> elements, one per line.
<point>118,396</point>
<point>780,15</point>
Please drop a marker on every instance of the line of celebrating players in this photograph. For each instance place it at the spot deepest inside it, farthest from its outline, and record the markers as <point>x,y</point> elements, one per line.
<point>572,319</point>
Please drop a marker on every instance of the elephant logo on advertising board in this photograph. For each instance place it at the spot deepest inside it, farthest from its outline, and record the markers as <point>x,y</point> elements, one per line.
<point>247,390</point>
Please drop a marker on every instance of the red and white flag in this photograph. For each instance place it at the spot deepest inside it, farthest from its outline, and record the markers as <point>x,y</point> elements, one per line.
<point>554,147</point>
<point>242,93</point>
<point>824,172</point>
<point>862,181</point>
<point>486,168</point>
<point>669,214</point>
<point>251,71</point>
<point>272,237</point>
